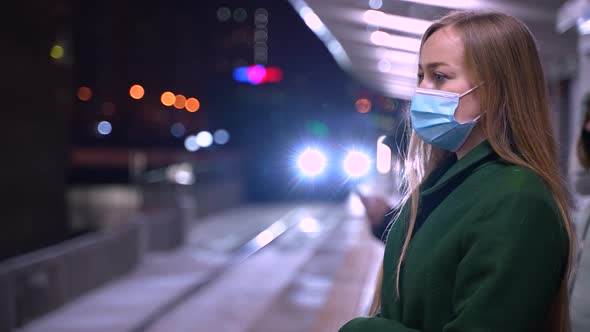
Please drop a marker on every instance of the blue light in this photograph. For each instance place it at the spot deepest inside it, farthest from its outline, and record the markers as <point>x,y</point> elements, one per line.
<point>375,4</point>
<point>221,136</point>
<point>241,74</point>
<point>177,130</point>
<point>104,128</point>
<point>190,143</point>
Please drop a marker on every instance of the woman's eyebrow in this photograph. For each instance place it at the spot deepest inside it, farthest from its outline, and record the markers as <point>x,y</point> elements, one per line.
<point>434,65</point>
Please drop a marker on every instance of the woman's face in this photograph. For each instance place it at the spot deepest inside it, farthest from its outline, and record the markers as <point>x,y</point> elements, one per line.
<point>442,67</point>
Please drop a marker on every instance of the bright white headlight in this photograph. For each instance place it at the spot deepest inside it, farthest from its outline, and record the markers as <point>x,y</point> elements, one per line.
<point>357,164</point>
<point>311,162</point>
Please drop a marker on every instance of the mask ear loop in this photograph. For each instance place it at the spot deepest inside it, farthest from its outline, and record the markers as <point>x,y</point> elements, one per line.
<point>468,91</point>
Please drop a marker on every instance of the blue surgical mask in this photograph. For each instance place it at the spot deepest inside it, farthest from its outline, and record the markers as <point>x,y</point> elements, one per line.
<point>433,118</point>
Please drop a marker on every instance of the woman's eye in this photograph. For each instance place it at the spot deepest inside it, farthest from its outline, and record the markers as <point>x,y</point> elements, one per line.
<point>438,77</point>
<point>420,77</point>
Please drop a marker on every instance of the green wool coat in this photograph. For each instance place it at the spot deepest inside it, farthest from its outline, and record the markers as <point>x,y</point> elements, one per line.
<point>489,255</point>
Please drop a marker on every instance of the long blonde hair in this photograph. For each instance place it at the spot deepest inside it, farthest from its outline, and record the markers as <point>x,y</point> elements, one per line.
<point>500,51</point>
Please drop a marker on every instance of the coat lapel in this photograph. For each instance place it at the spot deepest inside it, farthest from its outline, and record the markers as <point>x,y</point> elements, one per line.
<point>470,161</point>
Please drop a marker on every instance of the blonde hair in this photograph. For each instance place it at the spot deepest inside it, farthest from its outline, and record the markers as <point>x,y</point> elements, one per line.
<point>500,51</point>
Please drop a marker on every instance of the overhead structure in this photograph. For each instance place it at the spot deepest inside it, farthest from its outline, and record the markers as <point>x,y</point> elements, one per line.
<point>378,41</point>
<point>576,13</point>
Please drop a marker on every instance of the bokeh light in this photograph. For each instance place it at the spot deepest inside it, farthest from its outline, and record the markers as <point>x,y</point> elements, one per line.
<point>240,15</point>
<point>260,48</point>
<point>136,91</point>
<point>274,75</point>
<point>168,98</point>
<point>389,104</point>
<point>384,65</point>
<point>260,36</point>
<point>241,74</point>
<point>204,139</point>
<point>180,174</point>
<point>221,136</point>
<point>179,101</point>
<point>261,16</point>
<point>318,128</point>
<point>84,93</point>
<point>309,225</point>
<point>178,129</point>
<point>57,52</point>
<point>363,105</point>
<point>375,4</point>
<point>104,128</point>
<point>380,38</point>
<point>256,74</point>
<point>190,143</point>
<point>192,104</point>
<point>223,14</point>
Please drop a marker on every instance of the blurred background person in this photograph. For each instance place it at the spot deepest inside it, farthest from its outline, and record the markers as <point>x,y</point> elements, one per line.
<point>580,172</point>
<point>580,183</point>
<point>382,206</point>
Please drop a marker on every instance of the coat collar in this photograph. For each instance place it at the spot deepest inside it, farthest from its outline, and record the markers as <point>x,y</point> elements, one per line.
<point>451,167</point>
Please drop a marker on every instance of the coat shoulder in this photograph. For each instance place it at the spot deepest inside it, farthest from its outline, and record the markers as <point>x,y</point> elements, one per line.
<point>517,198</point>
<point>517,192</point>
<point>511,180</point>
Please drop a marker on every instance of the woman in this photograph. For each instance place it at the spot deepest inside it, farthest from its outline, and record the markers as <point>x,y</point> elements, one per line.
<point>484,239</point>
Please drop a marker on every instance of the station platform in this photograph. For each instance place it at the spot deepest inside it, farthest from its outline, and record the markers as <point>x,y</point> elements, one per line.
<point>289,267</point>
